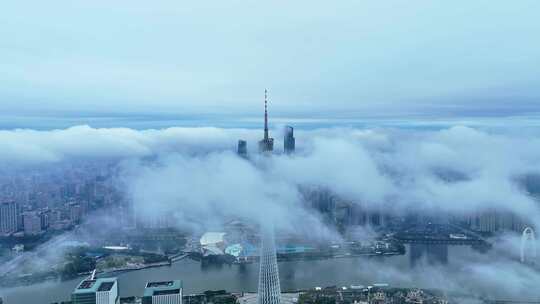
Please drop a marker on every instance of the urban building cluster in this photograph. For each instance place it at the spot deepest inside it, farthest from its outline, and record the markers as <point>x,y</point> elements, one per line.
<point>52,199</point>
<point>266,145</point>
<point>107,291</point>
<point>345,213</point>
<point>372,294</point>
<point>59,198</point>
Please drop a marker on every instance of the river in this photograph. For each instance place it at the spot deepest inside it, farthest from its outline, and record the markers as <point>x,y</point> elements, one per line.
<point>406,270</point>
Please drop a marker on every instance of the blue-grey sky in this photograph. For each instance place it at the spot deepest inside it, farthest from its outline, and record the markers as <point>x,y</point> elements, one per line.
<point>329,59</point>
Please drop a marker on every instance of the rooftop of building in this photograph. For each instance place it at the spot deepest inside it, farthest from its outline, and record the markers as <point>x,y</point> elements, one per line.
<point>88,286</point>
<point>212,238</point>
<point>161,288</point>
<point>106,286</point>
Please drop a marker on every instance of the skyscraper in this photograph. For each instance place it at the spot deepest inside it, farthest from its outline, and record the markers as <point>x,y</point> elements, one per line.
<point>269,287</point>
<point>266,145</point>
<point>31,223</point>
<point>168,292</point>
<point>9,217</point>
<point>528,246</point>
<point>242,148</point>
<point>98,291</point>
<point>289,141</point>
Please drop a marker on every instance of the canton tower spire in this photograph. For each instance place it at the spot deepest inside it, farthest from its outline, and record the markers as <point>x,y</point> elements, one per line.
<point>265,114</point>
<point>266,145</point>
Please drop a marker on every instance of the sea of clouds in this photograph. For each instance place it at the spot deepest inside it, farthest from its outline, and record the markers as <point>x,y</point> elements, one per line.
<point>195,174</point>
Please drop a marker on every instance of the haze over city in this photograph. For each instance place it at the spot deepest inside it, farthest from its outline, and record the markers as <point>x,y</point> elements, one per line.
<point>240,152</point>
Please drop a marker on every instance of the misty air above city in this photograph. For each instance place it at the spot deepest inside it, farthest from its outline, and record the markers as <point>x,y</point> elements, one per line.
<point>308,152</point>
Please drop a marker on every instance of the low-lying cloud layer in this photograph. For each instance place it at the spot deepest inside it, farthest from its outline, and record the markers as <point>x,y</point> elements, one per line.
<point>25,146</point>
<point>195,175</point>
<point>459,169</point>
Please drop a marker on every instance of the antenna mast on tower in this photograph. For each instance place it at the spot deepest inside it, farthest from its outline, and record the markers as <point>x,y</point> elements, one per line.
<point>265,114</point>
<point>266,145</point>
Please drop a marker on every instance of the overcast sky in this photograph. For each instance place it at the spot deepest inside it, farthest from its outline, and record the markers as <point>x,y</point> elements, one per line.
<point>330,59</point>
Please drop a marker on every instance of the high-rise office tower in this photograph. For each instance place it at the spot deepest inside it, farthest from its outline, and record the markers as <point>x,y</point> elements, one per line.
<point>528,246</point>
<point>266,145</point>
<point>96,291</point>
<point>75,213</point>
<point>242,148</point>
<point>31,223</point>
<point>168,292</point>
<point>44,218</point>
<point>269,287</point>
<point>288,140</point>
<point>9,217</point>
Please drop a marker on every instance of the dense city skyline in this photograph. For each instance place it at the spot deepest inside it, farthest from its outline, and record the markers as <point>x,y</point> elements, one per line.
<point>241,152</point>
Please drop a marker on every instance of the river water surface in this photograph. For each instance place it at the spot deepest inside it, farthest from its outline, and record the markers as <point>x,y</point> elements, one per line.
<point>420,267</point>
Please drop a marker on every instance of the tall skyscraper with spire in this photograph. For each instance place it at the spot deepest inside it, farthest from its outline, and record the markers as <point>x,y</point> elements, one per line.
<point>266,145</point>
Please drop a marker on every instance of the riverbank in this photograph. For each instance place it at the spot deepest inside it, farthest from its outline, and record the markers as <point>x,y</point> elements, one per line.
<point>294,275</point>
<point>54,276</point>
